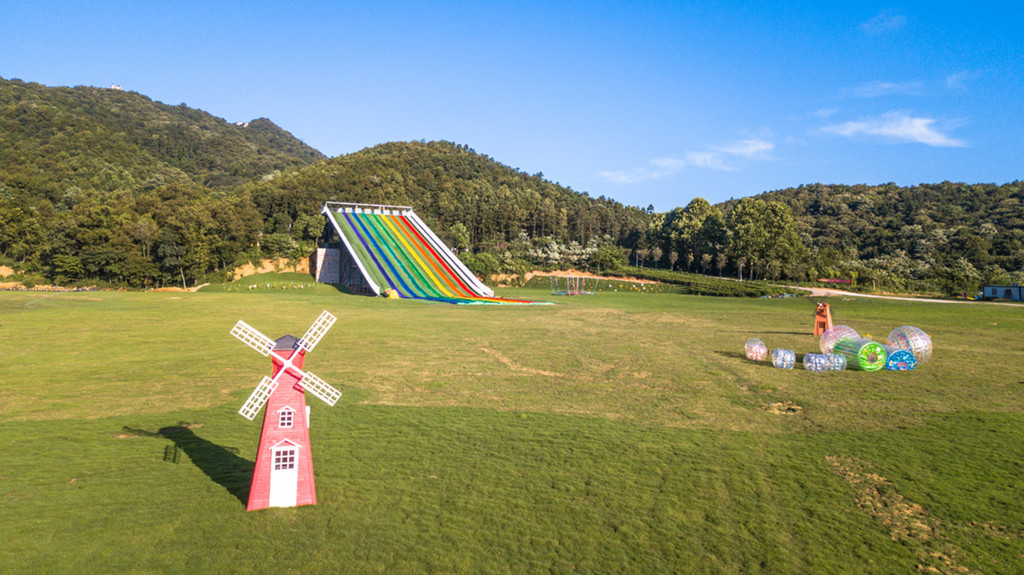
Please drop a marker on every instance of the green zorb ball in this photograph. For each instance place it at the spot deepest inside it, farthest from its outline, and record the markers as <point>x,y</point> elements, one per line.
<point>860,353</point>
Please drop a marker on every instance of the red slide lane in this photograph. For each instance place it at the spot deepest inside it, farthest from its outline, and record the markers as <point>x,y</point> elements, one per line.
<point>433,257</point>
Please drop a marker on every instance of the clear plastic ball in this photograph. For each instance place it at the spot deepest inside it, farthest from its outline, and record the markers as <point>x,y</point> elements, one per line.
<point>817,362</point>
<point>756,350</point>
<point>836,362</point>
<point>783,358</point>
<point>835,333</point>
<point>912,339</point>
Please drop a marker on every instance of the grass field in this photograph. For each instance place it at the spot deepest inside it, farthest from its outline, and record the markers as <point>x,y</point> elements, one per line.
<point>623,432</point>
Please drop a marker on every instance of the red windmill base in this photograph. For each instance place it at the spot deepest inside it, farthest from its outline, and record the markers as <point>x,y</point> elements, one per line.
<point>284,465</point>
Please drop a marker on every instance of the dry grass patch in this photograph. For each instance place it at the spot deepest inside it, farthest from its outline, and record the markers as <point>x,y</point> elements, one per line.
<point>908,523</point>
<point>783,408</point>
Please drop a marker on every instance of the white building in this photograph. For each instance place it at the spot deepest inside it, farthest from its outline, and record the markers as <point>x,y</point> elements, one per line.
<point>1012,293</point>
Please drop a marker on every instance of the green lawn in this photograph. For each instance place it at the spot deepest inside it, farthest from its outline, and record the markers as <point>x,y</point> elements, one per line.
<point>622,432</point>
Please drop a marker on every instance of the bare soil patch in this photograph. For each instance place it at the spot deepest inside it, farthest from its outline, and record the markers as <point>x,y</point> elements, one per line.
<point>508,363</point>
<point>271,265</point>
<point>503,280</point>
<point>908,522</point>
<point>784,408</point>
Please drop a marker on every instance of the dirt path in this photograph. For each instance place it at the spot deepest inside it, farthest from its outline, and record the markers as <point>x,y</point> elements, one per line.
<point>569,273</point>
<point>817,292</point>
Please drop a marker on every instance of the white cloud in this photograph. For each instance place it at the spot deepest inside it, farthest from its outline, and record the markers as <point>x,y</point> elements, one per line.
<point>884,21</point>
<point>959,80</point>
<point>824,113</point>
<point>899,127</point>
<point>712,159</point>
<point>879,88</point>
<point>657,169</point>
<point>709,160</point>
<point>748,148</point>
<point>671,164</point>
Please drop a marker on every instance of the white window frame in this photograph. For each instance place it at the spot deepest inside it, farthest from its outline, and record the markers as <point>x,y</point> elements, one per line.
<point>285,458</point>
<point>286,418</point>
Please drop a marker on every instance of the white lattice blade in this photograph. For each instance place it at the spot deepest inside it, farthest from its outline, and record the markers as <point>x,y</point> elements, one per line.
<point>252,338</point>
<point>258,399</point>
<point>320,388</point>
<point>316,331</point>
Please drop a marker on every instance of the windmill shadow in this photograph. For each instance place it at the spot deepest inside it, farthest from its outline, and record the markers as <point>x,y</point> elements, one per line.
<point>220,464</point>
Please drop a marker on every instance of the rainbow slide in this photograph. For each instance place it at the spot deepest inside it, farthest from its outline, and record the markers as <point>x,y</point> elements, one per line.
<point>395,250</point>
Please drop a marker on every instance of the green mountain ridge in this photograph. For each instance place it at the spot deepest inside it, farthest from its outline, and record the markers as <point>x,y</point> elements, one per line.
<point>108,139</point>
<point>106,185</point>
<point>449,184</point>
<point>975,229</point>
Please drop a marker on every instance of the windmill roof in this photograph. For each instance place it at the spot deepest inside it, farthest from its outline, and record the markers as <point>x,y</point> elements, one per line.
<point>286,342</point>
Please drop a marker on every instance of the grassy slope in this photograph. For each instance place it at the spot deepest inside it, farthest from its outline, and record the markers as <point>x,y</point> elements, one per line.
<point>620,432</point>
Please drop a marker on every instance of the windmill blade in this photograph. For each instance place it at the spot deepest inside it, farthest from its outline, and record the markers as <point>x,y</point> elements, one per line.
<point>320,388</point>
<point>316,331</point>
<point>259,397</point>
<point>252,338</point>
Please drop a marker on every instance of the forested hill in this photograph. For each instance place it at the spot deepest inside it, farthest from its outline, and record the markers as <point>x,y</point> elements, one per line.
<point>928,223</point>
<point>56,138</point>
<point>102,185</point>
<point>453,188</point>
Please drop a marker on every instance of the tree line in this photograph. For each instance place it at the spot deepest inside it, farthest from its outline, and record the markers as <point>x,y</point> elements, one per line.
<point>111,187</point>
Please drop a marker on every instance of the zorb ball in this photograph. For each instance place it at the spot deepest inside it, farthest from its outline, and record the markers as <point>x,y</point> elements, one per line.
<point>912,339</point>
<point>756,350</point>
<point>862,354</point>
<point>817,362</point>
<point>836,361</point>
<point>783,358</point>
<point>835,333</point>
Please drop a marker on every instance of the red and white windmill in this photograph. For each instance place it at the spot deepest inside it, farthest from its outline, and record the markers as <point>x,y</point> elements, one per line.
<point>284,466</point>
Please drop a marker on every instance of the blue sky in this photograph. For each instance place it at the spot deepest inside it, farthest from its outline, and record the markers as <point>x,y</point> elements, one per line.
<point>644,102</point>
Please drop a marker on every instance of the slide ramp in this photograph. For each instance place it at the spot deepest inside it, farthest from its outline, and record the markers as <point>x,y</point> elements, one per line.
<point>396,250</point>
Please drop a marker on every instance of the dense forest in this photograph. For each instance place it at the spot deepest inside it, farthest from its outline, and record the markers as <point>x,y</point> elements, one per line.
<point>103,186</point>
<point>944,238</point>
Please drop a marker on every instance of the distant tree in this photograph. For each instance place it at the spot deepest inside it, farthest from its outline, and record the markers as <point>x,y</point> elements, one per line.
<point>705,263</point>
<point>607,259</point>
<point>460,236</point>
<point>656,254</point>
<point>642,255</point>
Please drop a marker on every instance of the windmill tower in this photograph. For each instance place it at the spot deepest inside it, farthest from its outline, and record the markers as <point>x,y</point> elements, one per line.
<point>284,465</point>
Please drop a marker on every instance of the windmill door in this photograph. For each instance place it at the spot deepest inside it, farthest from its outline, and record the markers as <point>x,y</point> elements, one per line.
<point>284,475</point>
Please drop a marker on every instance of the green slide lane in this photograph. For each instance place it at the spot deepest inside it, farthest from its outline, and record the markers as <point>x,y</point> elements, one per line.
<point>424,263</point>
<point>384,254</point>
<point>364,257</point>
<point>401,257</point>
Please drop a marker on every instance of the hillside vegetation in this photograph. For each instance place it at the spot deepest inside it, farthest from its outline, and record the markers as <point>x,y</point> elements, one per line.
<point>953,233</point>
<point>942,238</point>
<point>53,139</point>
<point>105,186</point>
